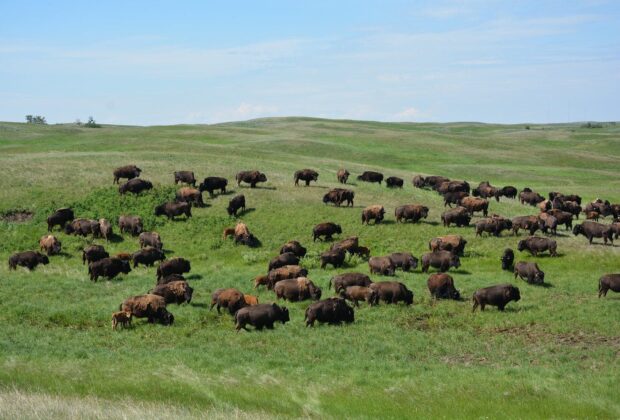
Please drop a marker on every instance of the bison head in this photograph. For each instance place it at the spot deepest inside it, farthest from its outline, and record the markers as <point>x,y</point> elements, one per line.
<point>512,293</point>
<point>577,230</point>
<point>160,210</point>
<point>284,316</point>
<point>165,317</point>
<point>125,268</point>
<point>337,229</point>
<point>327,198</point>
<point>315,292</point>
<point>42,259</point>
<point>262,178</point>
<point>408,297</point>
<point>455,294</point>
<point>521,245</point>
<point>69,229</point>
<point>539,277</point>
<point>455,261</point>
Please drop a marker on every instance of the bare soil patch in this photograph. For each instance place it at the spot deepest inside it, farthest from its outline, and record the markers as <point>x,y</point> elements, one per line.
<point>16,216</point>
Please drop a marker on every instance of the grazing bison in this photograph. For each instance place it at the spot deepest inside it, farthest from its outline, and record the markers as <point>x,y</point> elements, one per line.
<point>60,218</point>
<point>450,198</point>
<point>499,295</point>
<point>593,215</point>
<point>176,265</point>
<point>150,239</point>
<point>327,230</point>
<point>50,245</point>
<point>287,258</point>
<point>298,289</point>
<point>131,224</point>
<point>121,318</point>
<point>603,207</point>
<point>108,268</point>
<point>334,257</point>
<point>93,253</point>
<point>453,186</point>
<point>381,265</point>
<point>281,273</point>
<point>474,204</point>
<point>127,172</point>
<point>452,243</point>
<point>374,212</point>
<point>404,260</point>
<point>152,307</point>
<point>294,247</point>
<point>332,311</point>
<point>563,217</point>
<point>360,293</point>
<point>343,176</point>
<point>536,245</point>
<point>394,182</point>
<point>174,292</point>
<point>230,298</point>
<point>442,260</point>
<point>135,186</point>
<point>547,222</point>
<point>28,259</point>
<point>529,223</point>
<point>170,278</point>
<point>186,177</point>
<point>235,204</point>
<point>607,282</point>
<point>190,195</point>
<point>147,256</point>
<point>615,229</point>
<point>508,258</point>
<point>435,181</point>
<point>418,181</point>
<point>213,183</point>
<point>170,210</point>
<point>342,281</point>
<point>485,190</point>
<point>250,177</point>
<point>493,225</point>
<point>593,230</point>
<point>508,191</point>
<point>83,227</point>
<point>242,235</point>
<point>529,272</point>
<point>530,197</point>
<point>339,195</point>
<point>306,175</point>
<point>441,286</point>
<point>105,229</point>
<point>371,176</point>
<point>413,212</point>
<point>392,292</point>
<point>350,245</point>
<point>458,216</point>
<point>261,316</point>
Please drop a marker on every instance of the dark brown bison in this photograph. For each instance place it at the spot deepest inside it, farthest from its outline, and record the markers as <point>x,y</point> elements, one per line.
<point>434,181</point>
<point>170,278</point>
<point>404,260</point>
<point>450,198</point>
<point>50,245</point>
<point>60,218</point>
<point>529,223</point>
<point>108,268</point>
<point>452,243</point>
<point>563,217</point>
<point>150,239</point>
<point>418,181</point>
<point>374,212</point>
<point>105,229</point>
<point>530,197</point>
<point>327,230</point>
<point>568,206</point>
<point>230,298</point>
<point>250,177</point>
<point>334,257</point>
<point>190,195</point>
<point>474,204</point>
<point>135,186</point>
<point>607,282</point>
<point>127,172</point>
<point>298,289</point>
<point>360,293</point>
<point>371,176</point>
<point>152,307</point>
<point>176,265</point>
<point>147,256</point>
<point>281,273</point>
<point>331,311</point>
<point>508,191</point>
<point>547,222</point>
<point>453,186</point>
<point>593,230</point>
<point>458,216</point>
<point>351,246</point>
<point>394,182</point>
<point>441,286</point>
<point>287,258</point>
<point>508,258</point>
<point>441,260</point>
<point>381,265</point>
<point>602,206</point>
<point>392,292</point>
<point>529,272</point>
<point>131,224</point>
<point>171,209</point>
<point>213,183</point>
<point>174,292</point>
<point>485,190</point>
<point>413,212</point>
<point>294,247</point>
<point>261,316</point>
<point>536,245</point>
<point>28,259</point>
<point>83,227</point>
<point>493,225</point>
<point>343,176</point>
<point>93,253</point>
<point>306,175</point>
<point>342,281</point>
<point>615,229</point>
<point>337,196</point>
<point>499,295</point>
<point>235,204</point>
<point>186,177</point>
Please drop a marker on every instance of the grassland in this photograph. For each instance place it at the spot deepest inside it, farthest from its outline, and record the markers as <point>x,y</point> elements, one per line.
<point>553,354</point>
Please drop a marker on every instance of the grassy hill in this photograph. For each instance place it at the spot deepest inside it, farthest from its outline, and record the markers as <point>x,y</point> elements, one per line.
<point>553,354</point>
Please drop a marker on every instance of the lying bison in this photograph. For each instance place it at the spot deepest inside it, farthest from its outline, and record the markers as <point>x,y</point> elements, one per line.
<point>335,257</point>
<point>306,175</point>
<point>295,290</point>
<point>458,216</point>
<point>150,239</point>
<point>356,294</point>
<point>108,268</point>
<point>135,186</point>
<point>250,177</point>
<point>593,230</point>
<point>529,272</point>
<point>176,265</point>
<point>608,282</point>
<point>441,260</point>
<point>536,245</point>
<point>130,224</point>
<point>191,196</point>
<point>128,172</point>
<point>147,256</point>
<point>374,212</point>
<point>235,204</point>
<point>371,176</point>
<point>327,230</point>
<point>392,292</point>
<point>93,253</point>
<point>295,247</point>
<point>174,292</point>
<point>186,177</point>
<point>60,218</point>
<point>28,259</point>
<point>50,245</point>
<point>508,258</point>
<point>441,286</point>
<point>452,243</point>
<point>412,212</point>
<point>261,316</point>
<point>331,311</point>
<point>213,183</point>
<point>394,182</point>
<point>152,307</point>
<point>342,281</point>
<point>499,295</point>
<point>381,265</point>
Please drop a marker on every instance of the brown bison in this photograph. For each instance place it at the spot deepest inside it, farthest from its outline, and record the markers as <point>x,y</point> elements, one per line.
<point>121,318</point>
<point>413,212</point>
<point>536,245</point>
<point>176,265</point>
<point>186,177</point>
<point>212,183</point>
<point>150,239</point>
<point>381,265</point>
<point>152,307</point>
<point>374,212</point>
<point>125,256</point>
<point>508,258</point>
<point>60,218</point>
<point>93,253</point>
<point>294,247</point>
<point>418,181</point>
<point>147,256</point>
<point>371,176</point>
<point>83,227</point>
<point>499,295</point>
<point>530,197</point>
<point>250,177</point>
<point>306,175</point>
<point>298,289</point>
<point>434,181</point>
<point>474,204</point>
<point>529,272</point>
<point>174,292</point>
<point>529,223</point>
<point>171,210</point>
<point>404,260</point>
<point>235,204</point>
<point>343,176</point>
<point>442,260</point>
<point>108,268</point>
<point>459,216</point>
<point>288,258</point>
<point>105,229</point>
<point>227,298</point>
<point>392,292</point>
<point>493,225</point>
<point>450,198</point>
<point>261,316</point>
<point>334,257</point>
<point>563,217</point>
<point>453,186</point>
<point>452,243</point>
<point>604,208</point>
<point>327,230</point>
<point>250,300</point>
<point>331,311</point>
<point>547,222</point>
<point>50,245</point>
<point>28,259</point>
<point>441,286</point>
<point>190,195</point>
<point>135,186</point>
<point>170,278</point>
<point>360,293</point>
<point>242,235</point>
<point>608,282</point>
<point>281,273</point>
<point>593,230</point>
<point>394,182</point>
<point>337,196</point>
<point>508,191</point>
<point>127,172</point>
<point>485,190</point>
<point>131,224</point>
<point>342,281</point>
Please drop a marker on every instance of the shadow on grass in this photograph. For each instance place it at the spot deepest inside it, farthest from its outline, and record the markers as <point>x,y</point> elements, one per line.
<point>115,238</point>
<point>194,277</point>
<point>63,254</point>
<point>432,223</point>
<point>244,212</point>
<point>199,305</point>
<point>464,272</point>
<point>258,188</point>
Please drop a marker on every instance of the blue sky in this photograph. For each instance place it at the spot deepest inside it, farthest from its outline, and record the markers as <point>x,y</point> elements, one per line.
<point>165,62</point>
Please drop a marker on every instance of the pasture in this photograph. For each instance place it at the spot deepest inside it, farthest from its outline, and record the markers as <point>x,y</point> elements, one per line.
<point>555,353</point>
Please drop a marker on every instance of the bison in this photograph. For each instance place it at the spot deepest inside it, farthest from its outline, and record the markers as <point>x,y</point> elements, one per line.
<point>287,258</point>
<point>93,253</point>
<point>147,256</point>
<point>453,186</point>
<point>105,229</point>
<point>453,243</point>
<point>121,318</point>
<point>381,265</point>
<point>174,292</point>
<point>135,186</point>
<point>450,198</point>
<point>493,225</point>
<point>536,245</point>
<point>360,293</point>
<point>441,286</point>
<point>250,177</point>
<point>392,292</point>
<point>530,197</point>
<point>327,230</point>
<point>186,177</point>
<point>413,212</point>
<point>508,258</point>
<point>171,210</point>
<point>332,311</point>
<point>60,218</point>
<point>230,298</point>
<point>298,289</point>
<point>404,260</point>
<point>261,316</point>
<point>50,244</point>
<point>131,224</point>
<point>529,272</point>
<point>485,190</point>
<point>281,273</point>
<point>306,175</point>
<point>394,182</point>
<point>150,239</point>
<point>213,183</point>
<point>152,307</point>
<point>371,176</point>
<point>607,282</point>
<point>529,223</point>
<point>235,204</point>
<point>342,281</point>
<point>190,195</point>
<point>83,227</point>
<point>442,260</point>
<point>28,259</point>
<point>563,217</point>
<point>499,295</point>
<point>458,216</point>
<point>474,204</point>
<point>170,278</point>
<point>339,195</point>
<point>294,247</point>
<point>128,172</point>
<point>343,176</point>
<point>508,191</point>
<point>176,265</point>
<point>108,268</point>
<point>593,230</point>
<point>335,257</point>
<point>374,212</point>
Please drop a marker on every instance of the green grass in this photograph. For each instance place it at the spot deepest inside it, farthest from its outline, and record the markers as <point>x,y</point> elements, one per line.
<point>553,354</point>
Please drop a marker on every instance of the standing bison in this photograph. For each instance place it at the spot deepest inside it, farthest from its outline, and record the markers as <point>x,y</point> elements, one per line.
<point>508,258</point>
<point>339,195</point>
<point>230,298</point>
<point>150,239</point>
<point>530,197</point>
<point>331,311</point>
<point>50,245</point>
<point>287,258</point>
<point>213,183</point>
<point>295,290</point>
<point>493,225</point>
<point>474,204</point>
<point>108,268</point>
<point>536,245</point>
<point>335,257</point>
<point>186,177</point>
<point>529,272</point>
<point>128,172</point>
<point>261,316</point>
<point>235,204</point>
<point>135,186</point>
<point>459,216</point>
<point>394,182</point>
<point>306,175</point>
<point>356,294</point>
<point>174,292</point>
<point>175,265</point>
<point>171,210</point>
<point>371,176</point>
<point>152,307</point>
<point>593,230</point>
<point>28,259</point>
<point>404,260</point>
<point>83,227</point>
<point>452,243</point>
<point>413,212</point>
<point>250,177</point>
<point>190,195</point>
<point>342,281</point>
<point>295,247</point>
<point>93,253</point>
<point>60,218</point>
<point>381,265</point>
<point>499,295</point>
<point>441,260</point>
<point>147,256</point>
<point>441,286</point>
<point>374,212</point>
<point>608,282</point>
<point>529,223</point>
<point>327,230</point>
<point>392,292</point>
<point>131,224</point>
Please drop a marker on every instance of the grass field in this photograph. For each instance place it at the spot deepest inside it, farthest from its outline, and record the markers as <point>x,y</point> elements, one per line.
<point>555,353</point>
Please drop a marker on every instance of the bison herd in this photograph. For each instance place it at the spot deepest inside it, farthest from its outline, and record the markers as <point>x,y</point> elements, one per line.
<point>289,280</point>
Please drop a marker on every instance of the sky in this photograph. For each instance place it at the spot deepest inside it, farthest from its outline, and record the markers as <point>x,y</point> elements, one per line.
<point>203,62</point>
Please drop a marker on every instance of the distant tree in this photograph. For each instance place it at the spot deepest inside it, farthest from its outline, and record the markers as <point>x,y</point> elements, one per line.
<point>78,122</point>
<point>527,127</point>
<point>92,123</point>
<point>35,119</point>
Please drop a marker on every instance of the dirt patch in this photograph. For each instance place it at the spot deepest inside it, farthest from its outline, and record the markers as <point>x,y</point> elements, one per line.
<point>16,216</point>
